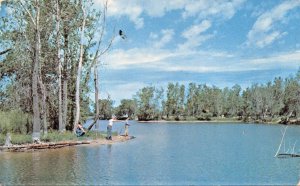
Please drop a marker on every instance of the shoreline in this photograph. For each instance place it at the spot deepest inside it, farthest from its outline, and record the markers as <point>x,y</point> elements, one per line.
<point>210,121</point>
<point>60,144</point>
<point>189,121</point>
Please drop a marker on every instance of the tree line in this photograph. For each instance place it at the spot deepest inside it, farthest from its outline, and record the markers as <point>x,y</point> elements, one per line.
<point>275,101</point>
<point>50,52</point>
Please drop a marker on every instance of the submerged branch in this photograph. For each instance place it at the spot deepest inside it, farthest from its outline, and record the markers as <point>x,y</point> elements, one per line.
<point>283,134</point>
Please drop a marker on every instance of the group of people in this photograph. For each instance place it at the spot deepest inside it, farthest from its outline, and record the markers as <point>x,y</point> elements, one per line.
<point>110,124</point>
<point>80,130</point>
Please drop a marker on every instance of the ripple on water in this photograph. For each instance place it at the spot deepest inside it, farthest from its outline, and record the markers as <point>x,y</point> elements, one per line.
<point>195,154</point>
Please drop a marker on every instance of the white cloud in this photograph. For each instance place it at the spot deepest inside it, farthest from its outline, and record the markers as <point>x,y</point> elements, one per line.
<point>196,60</point>
<point>166,37</point>
<point>134,9</point>
<point>263,31</point>
<point>194,35</point>
<point>204,8</point>
<point>284,59</point>
<point>121,59</point>
<point>167,60</point>
<point>268,39</point>
<point>119,8</point>
<point>158,8</point>
<point>195,30</point>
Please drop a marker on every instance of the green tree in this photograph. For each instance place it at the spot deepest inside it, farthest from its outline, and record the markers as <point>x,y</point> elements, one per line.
<point>292,97</point>
<point>126,108</point>
<point>105,108</point>
<point>146,100</point>
<point>41,68</point>
<point>175,102</point>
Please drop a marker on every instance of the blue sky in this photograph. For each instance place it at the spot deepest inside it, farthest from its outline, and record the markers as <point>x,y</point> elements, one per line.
<point>214,42</point>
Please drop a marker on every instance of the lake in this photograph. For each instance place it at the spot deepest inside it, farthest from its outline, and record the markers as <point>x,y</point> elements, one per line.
<point>165,154</point>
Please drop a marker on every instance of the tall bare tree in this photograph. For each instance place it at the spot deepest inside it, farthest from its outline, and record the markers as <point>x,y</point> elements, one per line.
<point>79,69</point>
<point>96,63</point>
<point>58,62</point>
<point>36,69</point>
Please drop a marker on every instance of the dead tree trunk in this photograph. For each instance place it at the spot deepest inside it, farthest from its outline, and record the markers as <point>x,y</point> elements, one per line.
<point>95,65</point>
<point>65,78</point>
<point>61,127</point>
<point>35,75</point>
<point>96,93</point>
<point>96,117</point>
<point>44,107</point>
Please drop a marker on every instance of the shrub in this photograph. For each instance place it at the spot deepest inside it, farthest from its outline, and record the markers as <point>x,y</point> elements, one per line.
<point>19,139</point>
<point>205,116</point>
<point>13,121</point>
<point>55,136</point>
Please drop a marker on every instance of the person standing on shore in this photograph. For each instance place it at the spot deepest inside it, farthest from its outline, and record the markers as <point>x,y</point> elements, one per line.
<point>126,127</point>
<point>109,127</point>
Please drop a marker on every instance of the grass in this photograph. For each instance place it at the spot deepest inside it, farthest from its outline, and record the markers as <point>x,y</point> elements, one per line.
<point>54,136</point>
<point>19,139</point>
<point>16,139</point>
<point>14,121</point>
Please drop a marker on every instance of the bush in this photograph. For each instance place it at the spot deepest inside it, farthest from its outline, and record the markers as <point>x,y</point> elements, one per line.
<point>13,121</point>
<point>19,139</point>
<point>16,139</point>
<point>205,116</point>
<point>55,136</point>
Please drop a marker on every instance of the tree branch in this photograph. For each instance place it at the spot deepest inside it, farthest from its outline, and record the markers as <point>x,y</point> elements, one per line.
<point>32,19</point>
<point>5,51</point>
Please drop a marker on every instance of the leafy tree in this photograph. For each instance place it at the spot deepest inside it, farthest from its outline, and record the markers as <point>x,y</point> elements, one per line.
<point>105,108</point>
<point>126,108</point>
<point>291,97</point>
<point>146,100</point>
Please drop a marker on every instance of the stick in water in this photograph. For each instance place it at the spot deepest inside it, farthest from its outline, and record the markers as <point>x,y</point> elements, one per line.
<point>281,141</point>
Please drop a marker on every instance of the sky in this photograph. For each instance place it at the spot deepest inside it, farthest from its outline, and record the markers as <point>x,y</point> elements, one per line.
<point>213,42</point>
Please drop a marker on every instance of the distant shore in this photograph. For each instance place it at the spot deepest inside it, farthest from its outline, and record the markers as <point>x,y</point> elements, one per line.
<point>191,121</point>
<point>206,121</point>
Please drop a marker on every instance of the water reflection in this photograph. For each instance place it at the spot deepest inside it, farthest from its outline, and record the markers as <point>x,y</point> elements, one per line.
<point>166,154</point>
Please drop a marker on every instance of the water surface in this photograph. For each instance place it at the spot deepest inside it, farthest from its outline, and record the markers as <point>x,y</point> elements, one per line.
<point>165,154</point>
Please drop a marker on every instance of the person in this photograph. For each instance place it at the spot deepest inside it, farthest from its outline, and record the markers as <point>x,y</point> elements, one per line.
<point>79,130</point>
<point>126,127</point>
<point>109,127</point>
